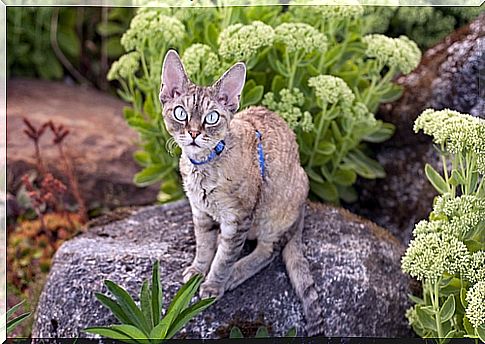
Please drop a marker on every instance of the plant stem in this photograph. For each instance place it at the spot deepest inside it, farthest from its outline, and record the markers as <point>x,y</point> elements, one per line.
<point>436,307</point>
<point>320,131</point>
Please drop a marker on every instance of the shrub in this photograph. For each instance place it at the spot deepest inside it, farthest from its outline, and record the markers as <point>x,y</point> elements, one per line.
<point>324,77</point>
<point>447,253</point>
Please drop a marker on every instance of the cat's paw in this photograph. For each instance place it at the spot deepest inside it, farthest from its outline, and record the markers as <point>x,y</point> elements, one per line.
<point>189,272</point>
<point>211,289</point>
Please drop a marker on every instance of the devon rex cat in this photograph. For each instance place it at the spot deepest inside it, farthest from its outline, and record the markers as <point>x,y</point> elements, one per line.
<point>238,166</point>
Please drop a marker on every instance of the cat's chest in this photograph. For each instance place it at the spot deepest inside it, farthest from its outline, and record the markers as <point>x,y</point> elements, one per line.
<point>203,189</point>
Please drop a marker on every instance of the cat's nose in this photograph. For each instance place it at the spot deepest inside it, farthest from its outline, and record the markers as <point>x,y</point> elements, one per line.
<point>194,133</point>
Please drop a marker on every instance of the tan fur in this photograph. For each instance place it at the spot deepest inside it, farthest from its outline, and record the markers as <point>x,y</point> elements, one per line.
<point>229,191</point>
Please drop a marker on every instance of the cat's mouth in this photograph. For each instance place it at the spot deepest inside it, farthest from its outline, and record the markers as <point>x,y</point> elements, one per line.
<point>193,143</point>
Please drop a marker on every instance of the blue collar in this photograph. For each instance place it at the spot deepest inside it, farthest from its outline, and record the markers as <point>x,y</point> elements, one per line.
<point>215,152</point>
<point>220,147</point>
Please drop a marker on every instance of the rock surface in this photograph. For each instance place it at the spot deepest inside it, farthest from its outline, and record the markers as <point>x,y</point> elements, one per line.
<point>355,263</point>
<point>100,142</point>
<point>447,77</point>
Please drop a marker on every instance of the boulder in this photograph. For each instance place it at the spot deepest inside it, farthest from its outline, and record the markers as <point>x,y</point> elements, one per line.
<point>355,264</point>
<point>100,142</point>
<point>447,77</point>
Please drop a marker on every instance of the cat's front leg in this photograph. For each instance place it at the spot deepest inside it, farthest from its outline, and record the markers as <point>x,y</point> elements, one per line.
<point>205,229</point>
<point>230,245</point>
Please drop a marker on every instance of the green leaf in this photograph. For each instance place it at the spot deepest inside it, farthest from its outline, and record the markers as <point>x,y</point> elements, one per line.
<point>236,333</point>
<point>114,47</point>
<point>344,177</point>
<point>109,333</point>
<point>13,323</point>
<point>143,127</point>
<point>151,174</point>
<point>448,309</point>
<point>182,298</point>
<point>69,42</point>
<point>336,132</point>
<point>416,299</point>
<point>325,191</point>
<point>188,314</point>
<point>157,295</point>
<point>252,97</point>
<point>291,332</point>
<point>142,158</point>
<point>391,94</point>
<point>463,297</point>
<point>149,108</point>
<point>130,331</point>
<point>211,33</point>
<point>326,148</point>
<point>451,334</point>
<point>468,326</point>
<point>435,179</point>
<point>14,309</point>
<point>114,307</point>
<point>456,178</point>
<point>128,306</point>
<point>481,333</point>
<point>384,133</point>
<point>363,165</point>
<point>425,319</point>
<point>314,176</point>
<point>145,303</point>
<point>262,332</point>
<point>347,193</point>
<point>277,84</point>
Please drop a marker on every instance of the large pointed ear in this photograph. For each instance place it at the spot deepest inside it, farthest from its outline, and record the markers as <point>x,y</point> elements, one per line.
<point>174,79</point>
<point>230,86</point>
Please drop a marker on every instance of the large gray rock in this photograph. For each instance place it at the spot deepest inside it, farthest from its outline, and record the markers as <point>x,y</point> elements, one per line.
<point>355,263</point>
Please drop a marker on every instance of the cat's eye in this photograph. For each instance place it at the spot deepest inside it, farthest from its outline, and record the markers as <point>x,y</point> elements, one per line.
<point>212,118</point>
<point>180,114</point>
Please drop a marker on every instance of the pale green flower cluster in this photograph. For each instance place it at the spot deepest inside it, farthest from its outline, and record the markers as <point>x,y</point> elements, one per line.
<point>328,12</point>
<point>300,36</point>
<point>288,107</point>
<point>200,60</point>
<point>362,115</point>
<point>126,66</point>
<point>331,10</point>
<point>401,53</point>
<point>330,90</point>
<point>411,315</point>
<point>424,227</point>
<point>458,132</point>
<point>242,42</point>
<point>430,255</point>
<point>154,27</point>
<point>475,311</point>
<point>464,212</point>
<point>476,270</point>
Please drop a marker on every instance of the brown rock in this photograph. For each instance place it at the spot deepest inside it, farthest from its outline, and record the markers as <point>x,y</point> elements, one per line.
<point>447,77</point>
<point>100,143</point>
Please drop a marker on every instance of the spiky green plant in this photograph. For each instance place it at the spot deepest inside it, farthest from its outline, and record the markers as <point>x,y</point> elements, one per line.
<point>145,324</point>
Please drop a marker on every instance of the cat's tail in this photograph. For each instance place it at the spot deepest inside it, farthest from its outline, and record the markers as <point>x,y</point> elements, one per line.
<point>301,278</point>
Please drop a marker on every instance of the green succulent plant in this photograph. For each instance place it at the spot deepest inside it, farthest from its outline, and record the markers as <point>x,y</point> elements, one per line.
<point>447,253</point>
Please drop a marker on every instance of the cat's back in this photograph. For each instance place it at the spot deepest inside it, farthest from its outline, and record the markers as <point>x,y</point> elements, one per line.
<point>271,126</point>
<point>278,140</point>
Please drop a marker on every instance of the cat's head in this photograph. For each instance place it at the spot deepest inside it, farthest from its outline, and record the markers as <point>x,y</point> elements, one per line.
<point>198,117</point>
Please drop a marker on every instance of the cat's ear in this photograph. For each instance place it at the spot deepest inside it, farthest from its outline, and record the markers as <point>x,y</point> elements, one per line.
<point>230,86</point>
<point>174,79</point>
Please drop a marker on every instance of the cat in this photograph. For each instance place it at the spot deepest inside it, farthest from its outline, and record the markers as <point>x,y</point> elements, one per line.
<point>238,167</point>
